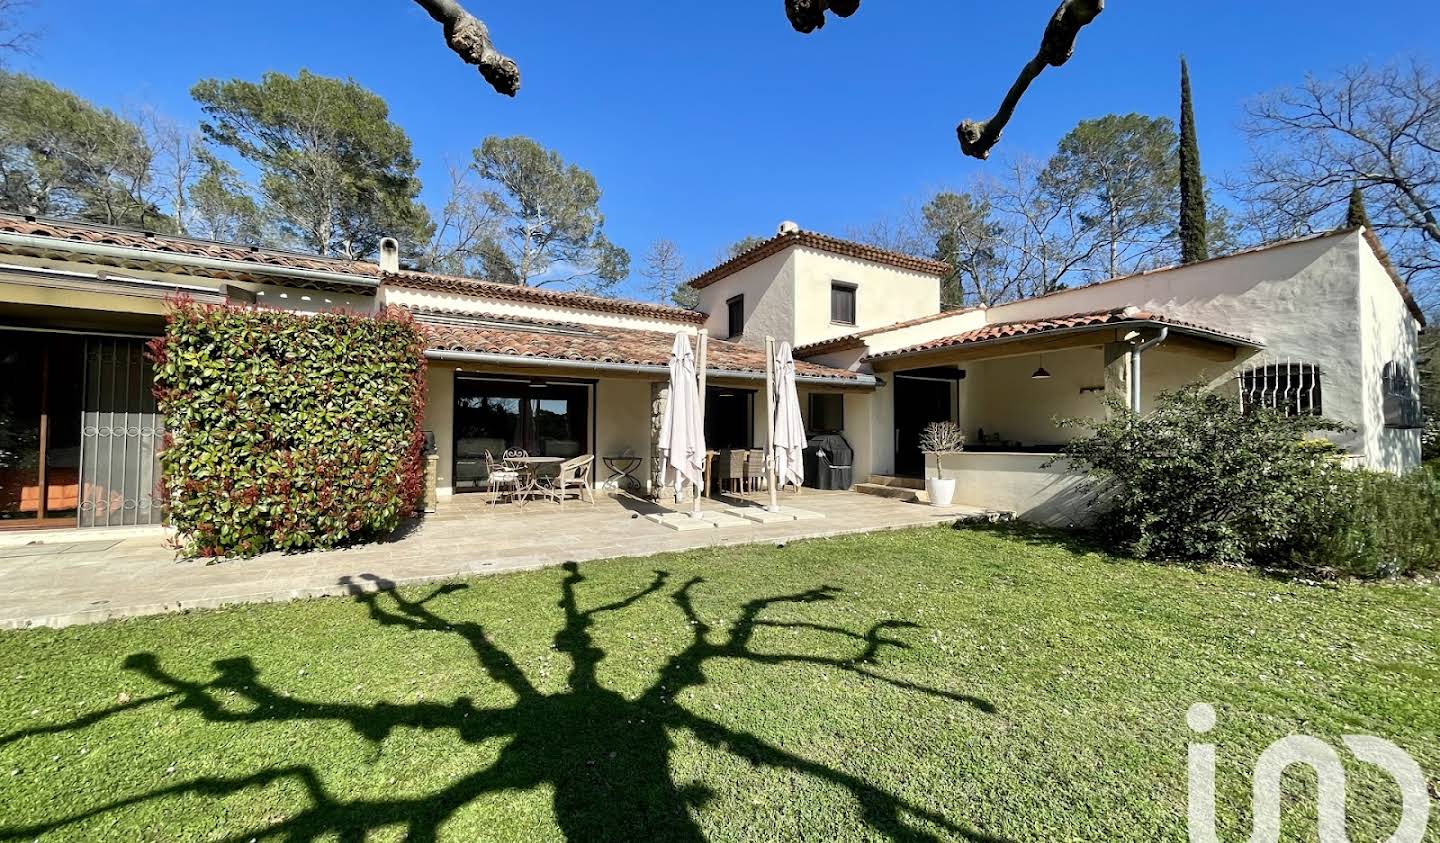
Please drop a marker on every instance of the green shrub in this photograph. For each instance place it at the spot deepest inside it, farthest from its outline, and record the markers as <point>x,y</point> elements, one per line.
<point>288,431</point>
<point>1196,479</point>
<point>1430,440</point>
<point>1376,525</point>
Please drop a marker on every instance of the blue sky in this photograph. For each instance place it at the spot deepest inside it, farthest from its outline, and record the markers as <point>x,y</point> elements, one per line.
<point>705,125</point>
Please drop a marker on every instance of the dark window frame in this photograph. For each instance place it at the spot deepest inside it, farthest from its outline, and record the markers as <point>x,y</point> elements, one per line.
<point>1400,398</point>
<point>736,325</point>
<point>854,292</point>
<point>813,425</point>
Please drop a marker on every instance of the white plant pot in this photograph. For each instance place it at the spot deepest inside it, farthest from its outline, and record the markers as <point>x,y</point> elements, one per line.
<point>940,491</point>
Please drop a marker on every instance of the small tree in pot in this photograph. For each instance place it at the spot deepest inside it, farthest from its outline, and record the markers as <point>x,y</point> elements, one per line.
<point>939,439</point>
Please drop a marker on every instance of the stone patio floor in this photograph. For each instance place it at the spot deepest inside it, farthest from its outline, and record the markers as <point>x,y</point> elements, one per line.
<point>59,580</point>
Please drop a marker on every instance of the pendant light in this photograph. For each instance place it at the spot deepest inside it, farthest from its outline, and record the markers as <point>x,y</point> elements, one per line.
<point>1040,374</point>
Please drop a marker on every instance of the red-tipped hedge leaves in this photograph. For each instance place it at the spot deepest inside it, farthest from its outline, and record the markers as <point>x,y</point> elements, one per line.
<point>288,431</point>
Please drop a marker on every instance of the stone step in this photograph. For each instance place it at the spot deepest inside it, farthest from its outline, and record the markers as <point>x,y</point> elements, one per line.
<point>900,493</point>
<point>898,482</point>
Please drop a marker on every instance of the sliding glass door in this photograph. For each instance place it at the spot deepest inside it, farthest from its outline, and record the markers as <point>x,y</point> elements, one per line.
<point>549,418</point>
<point>39,429</point>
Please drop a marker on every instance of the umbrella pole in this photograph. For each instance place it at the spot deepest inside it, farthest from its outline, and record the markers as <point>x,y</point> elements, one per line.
<point>700,373</point>
<point>770,423</point>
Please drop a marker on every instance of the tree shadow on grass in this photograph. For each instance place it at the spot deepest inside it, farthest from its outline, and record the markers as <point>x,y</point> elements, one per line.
<point>605,757</point>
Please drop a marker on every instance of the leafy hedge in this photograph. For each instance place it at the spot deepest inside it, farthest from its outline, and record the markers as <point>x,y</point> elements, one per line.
<point>288,431</point>
<point>1198,480</point>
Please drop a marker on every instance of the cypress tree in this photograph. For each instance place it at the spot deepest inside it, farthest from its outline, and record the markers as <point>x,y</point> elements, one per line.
<point>1192,183</point>
<point>1355,215</point>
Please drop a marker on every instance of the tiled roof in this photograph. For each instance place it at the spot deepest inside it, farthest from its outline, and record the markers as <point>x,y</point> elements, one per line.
<point>367,275</point>
<point>856,340</point>
<point>84,232</point>
<point>824,243</point>
<point>536,295</point>
<point>1097,319</point>
<point>595,344</point>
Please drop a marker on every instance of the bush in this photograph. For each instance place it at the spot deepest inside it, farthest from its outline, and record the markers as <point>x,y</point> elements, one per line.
<point>288,431</point>
<point>1430,440</point>
<point>1196,479</point>
<point>1376,525</point>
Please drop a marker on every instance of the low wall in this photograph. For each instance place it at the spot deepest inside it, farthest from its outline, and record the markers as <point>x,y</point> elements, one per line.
<point>1016,482</point>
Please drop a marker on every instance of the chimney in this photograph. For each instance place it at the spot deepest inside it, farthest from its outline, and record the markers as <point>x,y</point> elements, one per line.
<point>788,227</point>
<point>389,254</point>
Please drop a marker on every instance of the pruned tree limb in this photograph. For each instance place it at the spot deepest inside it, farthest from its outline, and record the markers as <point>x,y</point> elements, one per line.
<point>1056,48</point>
<point>809,15</point>
<point>470,40</point>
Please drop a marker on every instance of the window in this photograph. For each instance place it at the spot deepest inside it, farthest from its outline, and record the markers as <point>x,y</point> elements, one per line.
<point>735,308</point>
<point>827,412</point>
<point>1290,388</point>
<point>842,303</point>
<point>1401,399</point>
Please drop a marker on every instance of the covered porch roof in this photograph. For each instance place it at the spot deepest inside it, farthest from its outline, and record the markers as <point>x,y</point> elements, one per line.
<point>1077,330</point>
<point>512,342</point>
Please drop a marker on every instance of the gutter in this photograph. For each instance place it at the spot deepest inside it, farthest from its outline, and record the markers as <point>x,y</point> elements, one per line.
<point>860,379</point>
<point>1135,351</point>
<point>57,244</point>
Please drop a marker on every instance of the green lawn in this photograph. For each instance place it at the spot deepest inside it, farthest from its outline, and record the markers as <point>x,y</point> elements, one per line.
<point>987,685</point>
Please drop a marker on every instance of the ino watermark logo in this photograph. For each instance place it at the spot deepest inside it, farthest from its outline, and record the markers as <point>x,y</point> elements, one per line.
<point>1330,774</point>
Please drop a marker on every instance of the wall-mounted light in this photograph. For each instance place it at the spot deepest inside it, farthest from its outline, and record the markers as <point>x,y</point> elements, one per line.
<point>1040,374</point>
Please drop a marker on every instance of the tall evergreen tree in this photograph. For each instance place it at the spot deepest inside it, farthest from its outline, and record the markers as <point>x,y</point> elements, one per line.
<point>1192,183</point>
<point>1355,214</point>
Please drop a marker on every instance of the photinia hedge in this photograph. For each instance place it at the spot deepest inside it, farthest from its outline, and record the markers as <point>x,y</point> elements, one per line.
<point>288,431</point>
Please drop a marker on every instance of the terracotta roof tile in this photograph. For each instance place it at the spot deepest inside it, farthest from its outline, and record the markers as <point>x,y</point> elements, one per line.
<point>535,295</point>
<point>824,243</point>
<point>594,344</point>
<point>856,340</point>
<point>1012,330</point>
<point>84,232</point>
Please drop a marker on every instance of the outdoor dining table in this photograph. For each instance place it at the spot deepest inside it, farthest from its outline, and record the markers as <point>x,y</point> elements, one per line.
<point>530,467</point>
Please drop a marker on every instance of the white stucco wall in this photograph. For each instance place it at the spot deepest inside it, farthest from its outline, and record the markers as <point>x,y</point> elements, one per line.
<point>884,294</point>
<point>440,419</point>
<point>406,297</point>
<point>1388,332</point>
<point>1020,483</point>
<point>768,287</point>
<point>1301,299</point>
<point>1001,396</point>
<point>622,420</point>
<point>957,322</point>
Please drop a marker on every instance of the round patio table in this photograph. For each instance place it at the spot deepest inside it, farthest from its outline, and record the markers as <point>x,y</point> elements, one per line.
<point>530,467</point>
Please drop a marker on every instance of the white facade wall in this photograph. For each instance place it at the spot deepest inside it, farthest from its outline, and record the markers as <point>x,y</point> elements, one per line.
<point>1388,332</point>
<point>768,288</point>
<point>1302,299</point>
<point>884,294</point>
<point>480,305</point>
<point>787,296</point>
<point>957,322</point>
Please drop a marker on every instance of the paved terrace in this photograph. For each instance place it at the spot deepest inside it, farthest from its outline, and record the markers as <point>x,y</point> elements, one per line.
<point>64,580</point>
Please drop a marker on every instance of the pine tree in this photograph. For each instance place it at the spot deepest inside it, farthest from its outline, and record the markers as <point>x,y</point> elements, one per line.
<point>1355,215</point>
<point>1192,183</point>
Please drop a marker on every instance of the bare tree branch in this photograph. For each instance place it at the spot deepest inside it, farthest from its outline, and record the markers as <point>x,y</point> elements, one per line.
<point>470,40</point>
<point>1056,47</point>
<point>809,15</point>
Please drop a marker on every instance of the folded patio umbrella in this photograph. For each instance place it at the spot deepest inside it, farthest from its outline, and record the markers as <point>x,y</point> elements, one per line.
<point>682,429</point>
<point>789,437</point>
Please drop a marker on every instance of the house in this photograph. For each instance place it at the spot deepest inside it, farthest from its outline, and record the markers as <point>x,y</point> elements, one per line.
<point>1313,325</point>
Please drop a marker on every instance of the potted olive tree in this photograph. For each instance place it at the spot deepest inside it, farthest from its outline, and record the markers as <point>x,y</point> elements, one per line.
<point>939,439</point>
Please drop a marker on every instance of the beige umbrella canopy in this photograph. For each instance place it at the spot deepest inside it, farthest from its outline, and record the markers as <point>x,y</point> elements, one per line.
<point>682,428</point>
